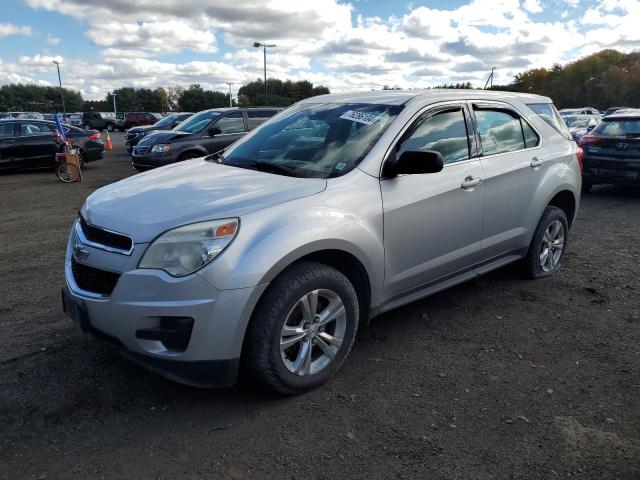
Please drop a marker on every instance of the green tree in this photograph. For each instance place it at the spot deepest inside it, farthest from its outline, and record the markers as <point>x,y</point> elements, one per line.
<point>279,93</point>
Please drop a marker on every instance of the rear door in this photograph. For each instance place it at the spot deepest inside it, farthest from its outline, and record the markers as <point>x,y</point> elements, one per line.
<point>37,144</point>
<point>8,144</point>
<point>513,167</point>
<point>433,222</point>
<point>229,128</point>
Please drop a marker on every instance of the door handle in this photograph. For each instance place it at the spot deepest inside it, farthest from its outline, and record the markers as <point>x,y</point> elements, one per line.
<point>470,182</point>
<point>535,162</point>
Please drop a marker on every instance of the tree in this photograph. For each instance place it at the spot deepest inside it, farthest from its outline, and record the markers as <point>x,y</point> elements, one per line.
<point>280,93</point>
<point>195,98</point>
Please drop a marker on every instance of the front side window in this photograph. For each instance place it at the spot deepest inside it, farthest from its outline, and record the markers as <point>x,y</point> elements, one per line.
<point>231,123</point>
<point>444,132</point>
<point>314,140</point>
<point>499,131</point>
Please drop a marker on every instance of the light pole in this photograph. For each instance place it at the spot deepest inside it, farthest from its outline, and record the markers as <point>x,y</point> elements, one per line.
<point>64,110</point>
<point>264,49</point>
<point>115,112</point>
<point>230,102</point>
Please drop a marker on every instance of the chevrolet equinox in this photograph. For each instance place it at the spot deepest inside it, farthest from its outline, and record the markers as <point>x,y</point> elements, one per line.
<point>271,253</point>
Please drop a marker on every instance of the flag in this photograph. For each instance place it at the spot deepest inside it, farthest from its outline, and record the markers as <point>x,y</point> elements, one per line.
<point>59,128</point>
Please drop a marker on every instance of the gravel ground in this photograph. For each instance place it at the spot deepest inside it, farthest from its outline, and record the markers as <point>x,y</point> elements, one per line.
<point>498,378</point>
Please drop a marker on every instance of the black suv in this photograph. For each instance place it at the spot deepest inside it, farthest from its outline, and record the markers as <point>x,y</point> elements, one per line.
<point>205,132</point>
<point>611,151</point>
<point>101,121</point>
<point>135,134</point>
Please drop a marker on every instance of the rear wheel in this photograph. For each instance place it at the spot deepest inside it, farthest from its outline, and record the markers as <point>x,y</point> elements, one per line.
<point>303,329</point>
<point>67,172</point>
<point>548,244</point>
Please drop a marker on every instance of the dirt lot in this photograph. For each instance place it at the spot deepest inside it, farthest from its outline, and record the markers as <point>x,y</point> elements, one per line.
<point>498,378</point>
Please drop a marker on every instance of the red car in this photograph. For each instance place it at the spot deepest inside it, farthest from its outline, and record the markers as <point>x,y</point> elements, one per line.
<point>137,119</point>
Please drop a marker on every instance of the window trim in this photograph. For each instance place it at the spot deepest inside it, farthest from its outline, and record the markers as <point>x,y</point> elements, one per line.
<point>507,108</point>
<point>427,111</point>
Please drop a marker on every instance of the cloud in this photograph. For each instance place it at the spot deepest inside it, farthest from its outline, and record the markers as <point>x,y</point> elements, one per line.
<point>8,29</point>
<point>533,6</point>
<point>51,40</point>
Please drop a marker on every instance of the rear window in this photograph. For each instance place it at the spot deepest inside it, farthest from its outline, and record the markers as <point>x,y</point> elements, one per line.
<point>549,114</point>
<point>629,128</point>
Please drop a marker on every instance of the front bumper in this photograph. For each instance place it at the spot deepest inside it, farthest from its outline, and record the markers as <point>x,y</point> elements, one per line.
<point>143,299</point>
<point>151,159</point>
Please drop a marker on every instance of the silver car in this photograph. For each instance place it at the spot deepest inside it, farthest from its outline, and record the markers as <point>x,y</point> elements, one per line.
<point>273,253</point>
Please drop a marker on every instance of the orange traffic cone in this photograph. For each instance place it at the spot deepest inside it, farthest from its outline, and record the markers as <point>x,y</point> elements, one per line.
<point>107,142</point>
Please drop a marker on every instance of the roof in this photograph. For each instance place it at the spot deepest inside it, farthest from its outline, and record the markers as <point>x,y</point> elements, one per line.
<point>627,114</point>
<point>400,97</point>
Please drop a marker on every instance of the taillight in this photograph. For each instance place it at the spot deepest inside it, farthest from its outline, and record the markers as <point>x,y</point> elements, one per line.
<point>580,155</point>
<point>95,136</point>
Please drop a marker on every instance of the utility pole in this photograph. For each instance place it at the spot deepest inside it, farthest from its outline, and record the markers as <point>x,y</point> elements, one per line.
<point>264,50</point>
<point>115,112</point>
<point>230,102</point>
<point>490,79</point>
<point>64,110</point>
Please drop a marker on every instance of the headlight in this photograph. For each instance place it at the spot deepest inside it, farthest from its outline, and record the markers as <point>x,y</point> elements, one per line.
<point>184,250</point>
<point>161,148</point>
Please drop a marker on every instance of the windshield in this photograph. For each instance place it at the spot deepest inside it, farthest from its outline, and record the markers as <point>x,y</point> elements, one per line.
<point>168,120</point>
<point>619,128</point>
<point>576,122</point>
<point>314,140</point>
<point>196,122</point>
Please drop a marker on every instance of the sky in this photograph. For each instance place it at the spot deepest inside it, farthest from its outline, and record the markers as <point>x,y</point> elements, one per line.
<point>347,46</point>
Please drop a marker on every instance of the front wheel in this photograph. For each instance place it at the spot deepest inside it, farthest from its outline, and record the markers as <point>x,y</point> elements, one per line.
<point>303,329</point>
<point>548,244</point>
<point>67,172</point>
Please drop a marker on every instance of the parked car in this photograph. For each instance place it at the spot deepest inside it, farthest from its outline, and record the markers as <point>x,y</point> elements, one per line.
<point>580,125</point>
<point>32,115</point>
<point>580,111</point>
<point>612,151</point>
<point>28,143</point>
<point>336,210</point>
<point>611,110</point>
<point>201,134</point>
<point>135,134</point>
<point>75,119</point>
<point>101,121</point>
<point>138,119</point>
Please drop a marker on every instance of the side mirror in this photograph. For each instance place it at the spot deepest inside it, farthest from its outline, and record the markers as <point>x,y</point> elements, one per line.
<point>413,162</point>
<point>213,131</point>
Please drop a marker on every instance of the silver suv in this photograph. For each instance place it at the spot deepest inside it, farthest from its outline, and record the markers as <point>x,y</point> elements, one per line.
<point>272,253</point>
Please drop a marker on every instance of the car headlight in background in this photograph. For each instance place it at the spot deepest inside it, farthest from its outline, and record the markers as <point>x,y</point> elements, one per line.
<point>161,148</point>
<point>184,250</point>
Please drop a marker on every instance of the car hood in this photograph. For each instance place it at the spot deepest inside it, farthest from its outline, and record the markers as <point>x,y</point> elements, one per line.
<point>145,205</point>
<point>163,137</point>
<point>148,128</point>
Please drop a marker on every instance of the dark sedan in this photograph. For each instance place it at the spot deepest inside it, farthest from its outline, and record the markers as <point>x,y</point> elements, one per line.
<point>612,151</point>
<point>205,132</point>
<point>135,134</point>
<point>32,143</point>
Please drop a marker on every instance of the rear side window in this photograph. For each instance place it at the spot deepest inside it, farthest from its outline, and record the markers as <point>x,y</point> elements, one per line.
<point>531,138</point>
<point>31,129</point>
<point>499,131</point>
<point>629,128</point>
<point>7,130</point>
<point>260,113</point>
<point>549,114</point>
<point>444,132</point>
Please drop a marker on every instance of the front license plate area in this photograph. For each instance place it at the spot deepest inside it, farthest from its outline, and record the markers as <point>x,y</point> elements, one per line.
<point>76,310</point>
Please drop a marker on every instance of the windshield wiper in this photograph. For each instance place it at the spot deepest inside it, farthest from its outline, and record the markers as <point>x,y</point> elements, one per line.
<point>274,167</point>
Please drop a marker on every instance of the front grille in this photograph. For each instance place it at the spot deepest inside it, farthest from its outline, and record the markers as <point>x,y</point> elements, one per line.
<point>103,237</point>
<point>93,279</point>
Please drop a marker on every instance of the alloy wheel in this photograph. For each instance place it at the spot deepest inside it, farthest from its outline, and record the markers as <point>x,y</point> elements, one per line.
<point>313,332</point>
<point>552,246</point>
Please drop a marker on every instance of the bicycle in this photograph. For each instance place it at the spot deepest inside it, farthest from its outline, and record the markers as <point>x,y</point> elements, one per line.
<point>65,171</point>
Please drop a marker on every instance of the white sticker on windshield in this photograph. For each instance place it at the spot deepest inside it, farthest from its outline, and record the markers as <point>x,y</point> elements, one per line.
<point>360,117</point>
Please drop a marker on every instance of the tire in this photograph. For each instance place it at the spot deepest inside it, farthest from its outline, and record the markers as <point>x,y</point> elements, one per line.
<point>288,370</point>
<point>586,187</point>
<point>67,172</point>
<point>536,263</point>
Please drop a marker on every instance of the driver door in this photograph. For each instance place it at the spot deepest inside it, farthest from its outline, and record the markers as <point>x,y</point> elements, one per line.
<point>228,129</point>
<point>433,222</point>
